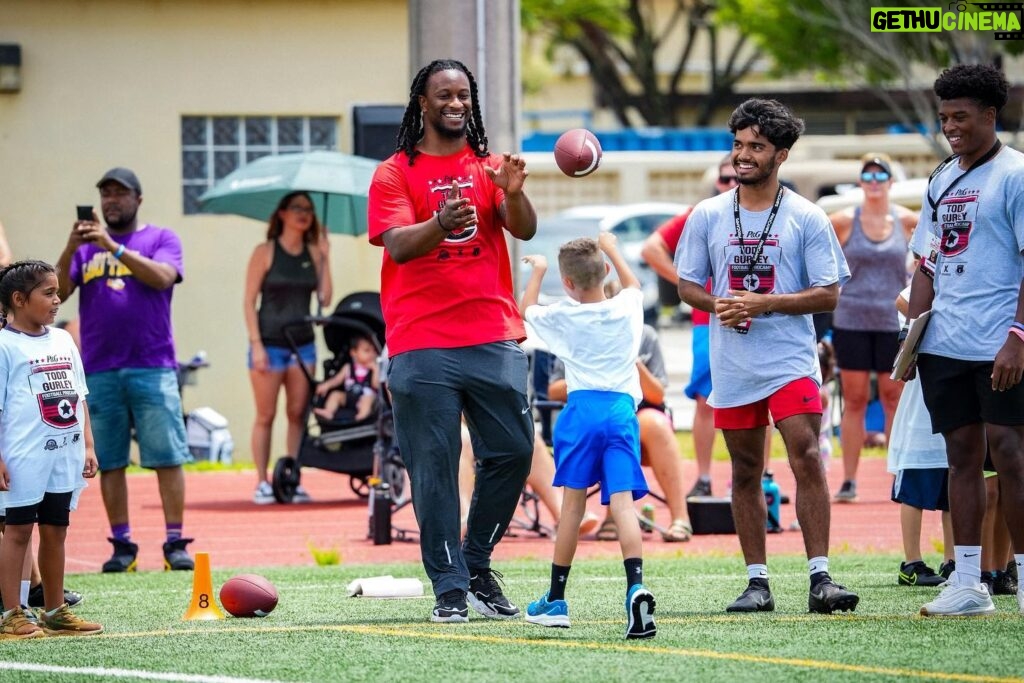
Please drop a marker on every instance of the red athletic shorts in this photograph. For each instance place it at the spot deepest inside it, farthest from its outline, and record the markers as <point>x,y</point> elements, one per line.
<point>796,398</point>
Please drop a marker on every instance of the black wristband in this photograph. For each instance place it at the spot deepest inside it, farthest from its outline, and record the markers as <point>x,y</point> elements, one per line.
<point>440,224</point>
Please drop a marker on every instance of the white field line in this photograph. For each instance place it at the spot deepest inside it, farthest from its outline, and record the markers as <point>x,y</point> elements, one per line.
<point>135,674</point>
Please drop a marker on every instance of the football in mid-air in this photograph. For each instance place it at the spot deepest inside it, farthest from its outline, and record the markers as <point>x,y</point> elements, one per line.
<point>248,595</point>
<point>577,152</point>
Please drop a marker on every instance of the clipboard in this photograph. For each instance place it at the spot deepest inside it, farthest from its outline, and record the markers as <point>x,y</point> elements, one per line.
<point>908,352</point>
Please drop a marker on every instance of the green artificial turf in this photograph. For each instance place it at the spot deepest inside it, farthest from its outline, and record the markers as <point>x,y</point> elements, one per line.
<point>318,634</point>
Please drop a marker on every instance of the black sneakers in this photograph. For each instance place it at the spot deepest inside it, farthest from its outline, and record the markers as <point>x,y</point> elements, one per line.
<point>756,598</point>
<point>700,488</point>
<point>176,557</point>
<point>486,597</point>
<point>451,607</point>
<point>35,597</point>
<point>999,583</point>
<point>918,574</point>
<point>947,568</point>
<point>827,596</point>
<point>124,557</point>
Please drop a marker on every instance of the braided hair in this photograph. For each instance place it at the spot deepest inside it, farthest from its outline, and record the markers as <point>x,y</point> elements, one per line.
<point>411,130</point>
<point>22,276</point>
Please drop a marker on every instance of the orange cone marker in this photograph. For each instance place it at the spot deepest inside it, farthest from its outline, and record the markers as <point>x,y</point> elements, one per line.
<point>203,606</point>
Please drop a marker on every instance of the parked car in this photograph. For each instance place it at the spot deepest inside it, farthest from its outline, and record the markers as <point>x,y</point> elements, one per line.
<point>631,223</point>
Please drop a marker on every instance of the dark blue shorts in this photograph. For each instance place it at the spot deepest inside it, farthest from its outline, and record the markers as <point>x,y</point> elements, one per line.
<point>597,440</point>
<point>926,489</point>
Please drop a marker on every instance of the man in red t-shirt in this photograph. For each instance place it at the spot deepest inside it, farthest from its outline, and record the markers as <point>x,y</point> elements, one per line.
<point>440,207</point>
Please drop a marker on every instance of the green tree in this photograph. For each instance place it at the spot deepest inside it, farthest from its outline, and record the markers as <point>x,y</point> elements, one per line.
<point>833,39</point>
<point>624,41</point>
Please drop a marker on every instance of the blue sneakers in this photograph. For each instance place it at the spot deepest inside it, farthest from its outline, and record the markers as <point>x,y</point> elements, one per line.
<point>554,613</point>
<point>640,613</point>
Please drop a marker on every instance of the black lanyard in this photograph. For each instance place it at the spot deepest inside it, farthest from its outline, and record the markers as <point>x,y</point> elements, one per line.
<point>764,233</point>
<point>935,203</point>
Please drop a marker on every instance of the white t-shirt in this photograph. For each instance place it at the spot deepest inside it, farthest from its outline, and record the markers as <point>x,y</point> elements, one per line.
<point>978,239</point>
<point>42,395</point>
<point>801,252</point>
<point>599,343</point>
<point>912,446</point>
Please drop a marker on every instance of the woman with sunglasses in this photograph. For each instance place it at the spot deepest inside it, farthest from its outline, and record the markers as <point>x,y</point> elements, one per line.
<point>865,331</point>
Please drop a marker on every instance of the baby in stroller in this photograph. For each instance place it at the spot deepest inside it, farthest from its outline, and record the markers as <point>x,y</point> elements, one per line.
<point>351,392</point>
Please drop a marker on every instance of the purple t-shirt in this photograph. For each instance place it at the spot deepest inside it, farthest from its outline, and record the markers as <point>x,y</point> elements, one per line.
<point>125,323</point>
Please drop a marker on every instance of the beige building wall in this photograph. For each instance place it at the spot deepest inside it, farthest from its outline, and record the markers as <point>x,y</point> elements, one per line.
<point>105,83</point>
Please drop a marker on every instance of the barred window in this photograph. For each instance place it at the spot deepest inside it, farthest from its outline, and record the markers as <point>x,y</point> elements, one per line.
<point>214,146</point>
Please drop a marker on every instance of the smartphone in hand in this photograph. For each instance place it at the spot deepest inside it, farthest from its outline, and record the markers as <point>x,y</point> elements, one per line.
<point>85,213</point>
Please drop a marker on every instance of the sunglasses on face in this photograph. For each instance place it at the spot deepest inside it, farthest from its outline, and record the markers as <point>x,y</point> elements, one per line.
<point>727,179</point>
<point>868,176</point>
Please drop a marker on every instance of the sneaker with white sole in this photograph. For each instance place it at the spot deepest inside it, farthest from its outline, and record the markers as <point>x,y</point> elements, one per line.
<point>1020,596</point>
<point>485,596</point>
<point>301,496</point>
<point>554,613</point>
<point>264,494</point>
<point>960,601</point>
<point>451,607</point>
<point>640,613</point>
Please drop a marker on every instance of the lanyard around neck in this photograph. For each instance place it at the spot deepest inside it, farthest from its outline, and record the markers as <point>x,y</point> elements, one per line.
<point>767,226</point>
<point>934,204</point>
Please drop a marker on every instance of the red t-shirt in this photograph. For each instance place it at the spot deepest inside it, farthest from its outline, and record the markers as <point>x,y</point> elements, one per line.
<point>670,231</point>
<point>460,294</point>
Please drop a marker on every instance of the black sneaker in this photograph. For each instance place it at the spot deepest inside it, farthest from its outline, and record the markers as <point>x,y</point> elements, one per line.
<point>827,596</point>
<point>999,583</point>
<point>918,574</point>
<point>123,559</point>
<point>947,568</point>
<point>1011,570</point>
<point>700,488</point>
<point>35,597</point>
<point>847,492</point>
<point>176,557</point>
<point>451,607</point>
<point>486,597</point>
<point>756,598</point>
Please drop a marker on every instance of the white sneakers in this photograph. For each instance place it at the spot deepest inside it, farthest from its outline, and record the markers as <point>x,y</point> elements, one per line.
<point>1020,597</point>
<point>264,494</point>
<point>961,601</point>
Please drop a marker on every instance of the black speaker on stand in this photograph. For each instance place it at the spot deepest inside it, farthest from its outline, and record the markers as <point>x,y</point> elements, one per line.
<point>375,129</point>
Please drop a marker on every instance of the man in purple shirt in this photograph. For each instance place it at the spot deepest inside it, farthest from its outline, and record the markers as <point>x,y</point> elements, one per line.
<point>126,272</point>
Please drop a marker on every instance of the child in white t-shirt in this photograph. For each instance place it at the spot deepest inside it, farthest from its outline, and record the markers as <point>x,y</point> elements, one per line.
<point>597,437</point>
<point>46,446</point>
<point>917,458</point>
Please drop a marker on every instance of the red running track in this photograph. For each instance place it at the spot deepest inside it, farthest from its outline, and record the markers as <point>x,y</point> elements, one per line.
<point>221,517</point>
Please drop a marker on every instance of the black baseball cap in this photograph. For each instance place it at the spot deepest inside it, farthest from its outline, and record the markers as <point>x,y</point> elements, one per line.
<point>122,176</point>
<point>879,160</point>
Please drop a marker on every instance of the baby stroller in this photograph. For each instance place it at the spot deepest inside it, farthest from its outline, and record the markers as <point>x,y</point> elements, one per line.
<point>365,450</point>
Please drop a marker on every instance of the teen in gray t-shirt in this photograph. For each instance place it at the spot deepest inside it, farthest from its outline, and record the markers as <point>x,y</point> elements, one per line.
<point>979,237</point>
<point>801,251</point>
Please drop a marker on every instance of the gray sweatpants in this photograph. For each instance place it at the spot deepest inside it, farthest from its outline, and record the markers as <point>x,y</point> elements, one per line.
<point>431,390</point>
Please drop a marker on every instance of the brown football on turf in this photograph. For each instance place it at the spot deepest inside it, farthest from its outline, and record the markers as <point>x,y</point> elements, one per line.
<point>248,595</point>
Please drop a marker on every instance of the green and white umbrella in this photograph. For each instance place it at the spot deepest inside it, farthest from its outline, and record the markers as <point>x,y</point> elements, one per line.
<point>337,183</point>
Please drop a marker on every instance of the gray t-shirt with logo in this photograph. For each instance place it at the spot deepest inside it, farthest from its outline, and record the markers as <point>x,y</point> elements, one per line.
<point>801,251</point>
<point>977,242</point>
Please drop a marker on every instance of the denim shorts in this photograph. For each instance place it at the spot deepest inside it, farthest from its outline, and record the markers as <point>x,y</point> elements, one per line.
<point>146,399</point>
<point>281,358</point>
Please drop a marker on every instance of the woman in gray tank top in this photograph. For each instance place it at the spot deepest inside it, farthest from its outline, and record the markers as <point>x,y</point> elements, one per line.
<point>874,237</point>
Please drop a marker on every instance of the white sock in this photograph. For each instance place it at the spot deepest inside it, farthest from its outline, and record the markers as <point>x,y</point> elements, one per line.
<point>26,586</point>
<point>817,564</point>
<point>968,564</point>
<point>1018,559</point>
<point>757,571</point>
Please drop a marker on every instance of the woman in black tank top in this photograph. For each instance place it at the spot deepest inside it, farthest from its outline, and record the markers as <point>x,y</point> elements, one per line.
<point>284,274</point>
